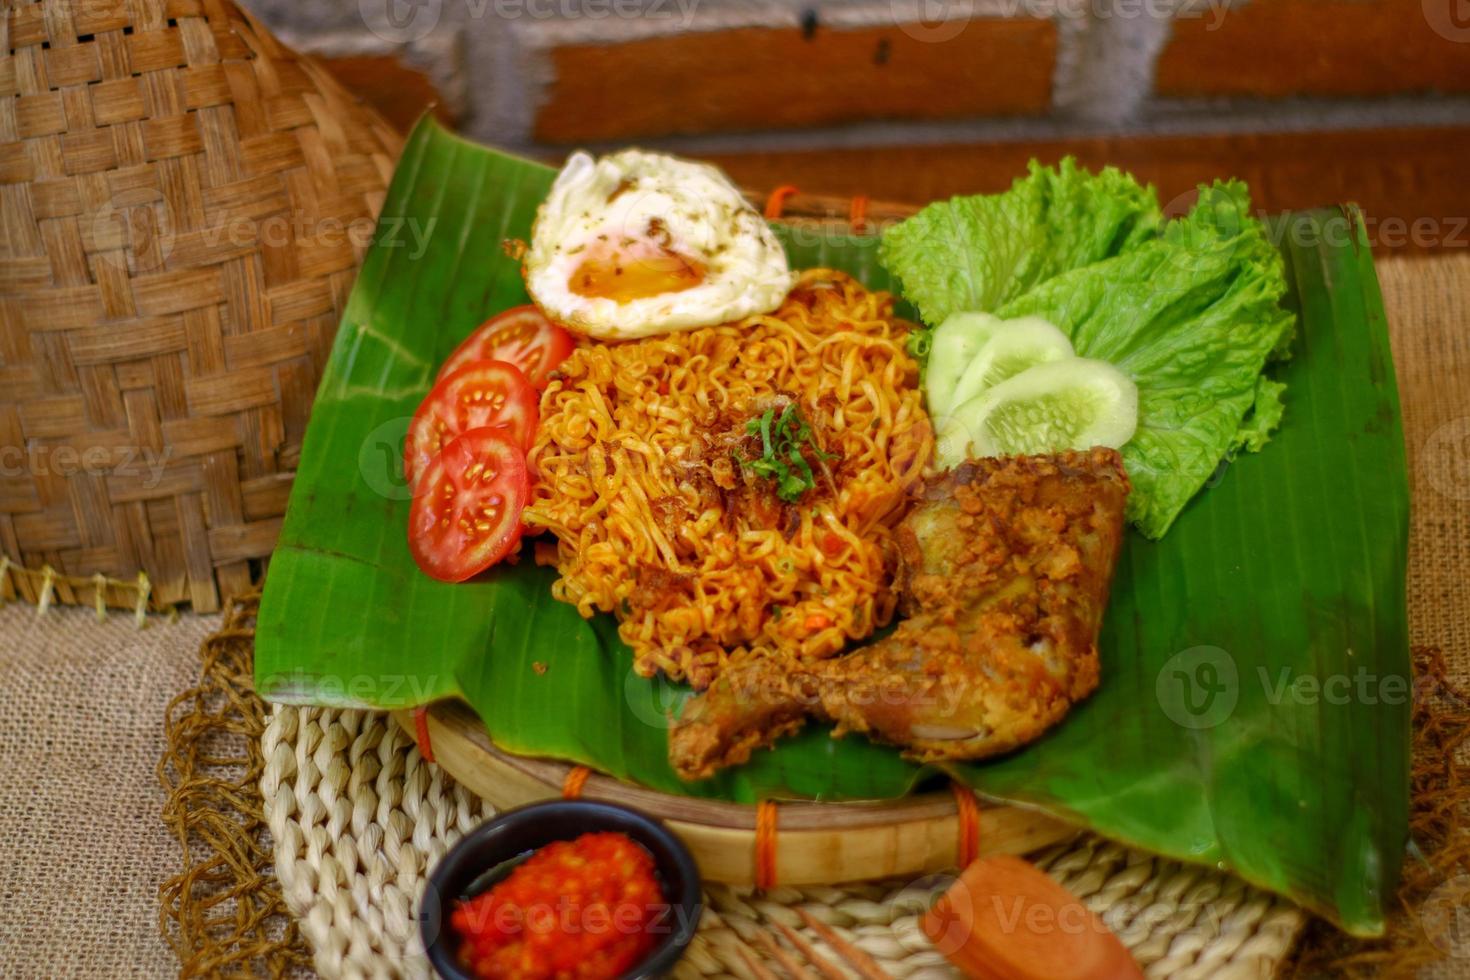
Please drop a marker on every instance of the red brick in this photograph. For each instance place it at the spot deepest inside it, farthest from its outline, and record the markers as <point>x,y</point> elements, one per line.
<point>398,92</point>
<point>1402,177</point>
<point>767,78</point>
<point>1280,48</point>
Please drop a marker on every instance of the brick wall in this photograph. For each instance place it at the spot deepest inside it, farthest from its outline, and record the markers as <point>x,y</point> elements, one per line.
<point>540,74</point>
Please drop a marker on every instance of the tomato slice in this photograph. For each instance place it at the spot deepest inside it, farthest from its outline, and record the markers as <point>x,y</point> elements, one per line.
<point>485,394</point>
<point>466,513</point>
<point>523,336</point>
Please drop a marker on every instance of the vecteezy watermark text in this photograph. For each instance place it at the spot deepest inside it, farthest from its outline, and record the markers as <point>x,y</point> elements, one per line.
<point>1445,459</point>
<point>406,21</point>
<point>389,691</point>
<point>142,463</point>
<point>1200,688</point>
<point>143,220</point>
<point>937,21</point>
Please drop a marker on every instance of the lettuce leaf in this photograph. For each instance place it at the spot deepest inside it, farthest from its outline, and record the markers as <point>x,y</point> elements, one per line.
<point>1264,416</point>
<point>975,253</point>
<point>1189,309</point>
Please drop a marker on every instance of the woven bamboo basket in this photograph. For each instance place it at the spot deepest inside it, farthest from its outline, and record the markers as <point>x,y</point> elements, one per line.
<point>185,203</point>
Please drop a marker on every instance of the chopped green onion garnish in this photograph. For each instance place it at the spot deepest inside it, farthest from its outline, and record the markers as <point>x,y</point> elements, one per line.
<point>786,441</point>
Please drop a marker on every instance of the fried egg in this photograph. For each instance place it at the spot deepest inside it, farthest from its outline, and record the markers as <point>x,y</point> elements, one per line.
<point>637,244</point>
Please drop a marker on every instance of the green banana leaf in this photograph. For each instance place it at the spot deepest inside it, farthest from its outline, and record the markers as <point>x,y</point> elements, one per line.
<point>1254,710</point>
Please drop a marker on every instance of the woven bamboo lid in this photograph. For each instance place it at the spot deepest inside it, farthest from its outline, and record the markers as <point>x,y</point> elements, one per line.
<point>183,205</point>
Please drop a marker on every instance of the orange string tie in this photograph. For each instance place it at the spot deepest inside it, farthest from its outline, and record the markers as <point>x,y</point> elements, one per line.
<point>968,808</point>
<point>765,844</point>
<point>776,203</point>
<point>857,214</point>
<point>421,732</point>
<point>571,787</point>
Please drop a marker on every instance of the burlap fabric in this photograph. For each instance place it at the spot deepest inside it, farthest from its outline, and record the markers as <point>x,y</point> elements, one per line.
<point>1428,307</point>
<point>83,853</point>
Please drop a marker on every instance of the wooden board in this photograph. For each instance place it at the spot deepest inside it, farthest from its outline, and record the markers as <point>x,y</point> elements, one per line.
<point>816,843</point>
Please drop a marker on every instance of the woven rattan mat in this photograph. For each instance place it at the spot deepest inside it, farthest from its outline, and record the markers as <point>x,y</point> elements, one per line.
<point>358,817</point>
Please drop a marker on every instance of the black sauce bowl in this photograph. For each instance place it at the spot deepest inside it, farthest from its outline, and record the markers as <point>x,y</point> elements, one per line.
<point>489,852</point>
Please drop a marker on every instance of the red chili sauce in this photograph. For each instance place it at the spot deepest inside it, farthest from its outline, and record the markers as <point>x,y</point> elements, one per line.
<point>584,908</point>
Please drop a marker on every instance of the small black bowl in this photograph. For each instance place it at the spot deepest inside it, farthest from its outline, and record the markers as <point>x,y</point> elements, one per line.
<point>495,845</point>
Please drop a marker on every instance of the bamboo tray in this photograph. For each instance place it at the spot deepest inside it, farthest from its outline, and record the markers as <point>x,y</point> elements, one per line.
<point>816,843</point>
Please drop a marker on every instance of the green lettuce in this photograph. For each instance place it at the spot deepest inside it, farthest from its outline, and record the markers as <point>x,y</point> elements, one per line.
<point>976,253</point>
<point>1189,309</point>
<point>1264,416</point>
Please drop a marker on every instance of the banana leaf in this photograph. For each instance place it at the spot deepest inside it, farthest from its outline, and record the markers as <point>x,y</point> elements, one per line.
<point>1254,710</point>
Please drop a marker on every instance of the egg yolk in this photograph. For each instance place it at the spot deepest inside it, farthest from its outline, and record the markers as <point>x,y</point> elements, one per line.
<point>637,271</point>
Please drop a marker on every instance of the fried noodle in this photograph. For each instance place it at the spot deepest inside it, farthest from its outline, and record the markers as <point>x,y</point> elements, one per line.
<point>639,476</point>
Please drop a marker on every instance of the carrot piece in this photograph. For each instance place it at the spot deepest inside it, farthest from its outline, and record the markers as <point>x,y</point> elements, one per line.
<point>1005,917</point>
<point>817,621</point>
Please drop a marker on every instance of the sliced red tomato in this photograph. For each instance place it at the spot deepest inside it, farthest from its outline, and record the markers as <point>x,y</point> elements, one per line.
<point>466,513</point>
<point>523,336</point>
<point>483,395</point>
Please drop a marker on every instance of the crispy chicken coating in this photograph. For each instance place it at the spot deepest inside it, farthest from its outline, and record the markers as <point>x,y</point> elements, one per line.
<point>1006,565</point>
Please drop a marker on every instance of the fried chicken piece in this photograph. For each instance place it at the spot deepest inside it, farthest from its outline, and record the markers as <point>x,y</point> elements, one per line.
<point>1006,565</point>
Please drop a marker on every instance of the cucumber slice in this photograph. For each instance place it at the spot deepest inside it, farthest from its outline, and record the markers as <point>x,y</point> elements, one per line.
<point>956,342</point>
<point>1014,346</point>
<point>1072,404</point>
